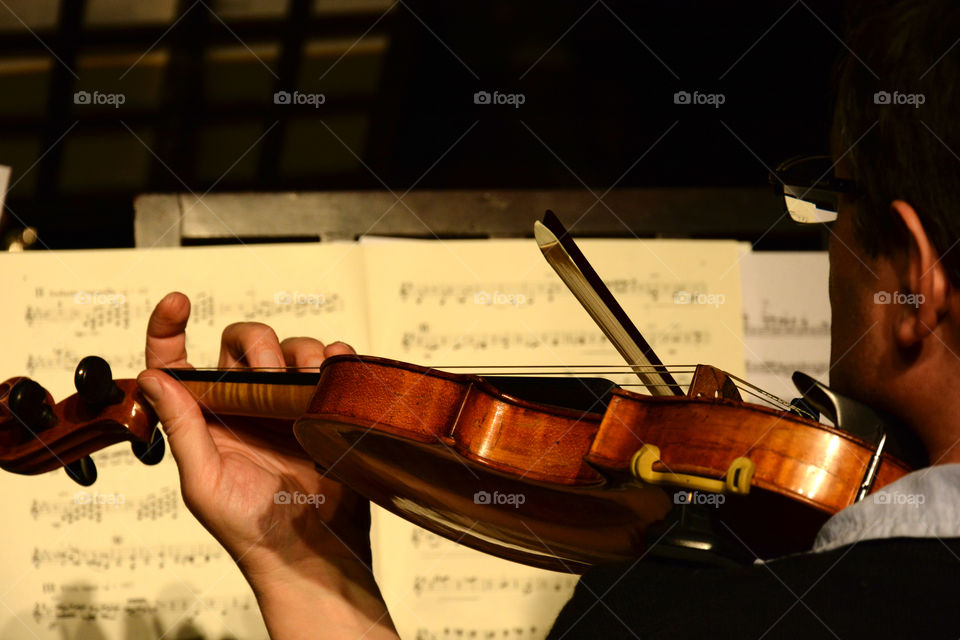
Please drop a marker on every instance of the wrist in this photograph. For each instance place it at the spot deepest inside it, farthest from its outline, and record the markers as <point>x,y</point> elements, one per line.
<point>318,598</point>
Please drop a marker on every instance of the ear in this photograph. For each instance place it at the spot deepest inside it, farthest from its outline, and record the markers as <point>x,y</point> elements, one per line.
<point>926,279</point>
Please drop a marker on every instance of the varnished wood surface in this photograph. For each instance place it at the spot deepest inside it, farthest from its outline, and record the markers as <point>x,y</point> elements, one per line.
<point>79,431</point>
<point>804,460</point>
<point>534,483</point>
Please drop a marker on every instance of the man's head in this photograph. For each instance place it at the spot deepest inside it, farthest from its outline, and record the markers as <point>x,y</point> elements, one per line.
<point>895,266</point>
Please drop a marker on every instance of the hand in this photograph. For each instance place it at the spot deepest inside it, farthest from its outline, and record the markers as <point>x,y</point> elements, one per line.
<point>317,555</point>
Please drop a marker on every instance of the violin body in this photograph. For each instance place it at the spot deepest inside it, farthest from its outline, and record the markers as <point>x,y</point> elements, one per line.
<point>438,449</point>
<point>455,455</point>
<point>805,471</point>
<point>537,483</point>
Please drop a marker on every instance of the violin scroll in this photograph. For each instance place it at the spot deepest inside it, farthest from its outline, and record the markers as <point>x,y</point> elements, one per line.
<point>38,435</point>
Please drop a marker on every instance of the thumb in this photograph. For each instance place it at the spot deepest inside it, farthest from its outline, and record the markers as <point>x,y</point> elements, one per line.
<point>187,432</point>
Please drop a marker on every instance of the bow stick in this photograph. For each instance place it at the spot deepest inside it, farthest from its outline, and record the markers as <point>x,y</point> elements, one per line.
<point>570,264</point>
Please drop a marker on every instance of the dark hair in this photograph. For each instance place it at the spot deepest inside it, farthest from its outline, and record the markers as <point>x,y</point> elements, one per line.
<point>912,152</point>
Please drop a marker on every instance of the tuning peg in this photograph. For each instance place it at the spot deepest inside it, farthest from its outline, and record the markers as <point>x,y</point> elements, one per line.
<point>152,452</point>
<point>94,382</point>
<point>82,471</point>
<point>28,403</point>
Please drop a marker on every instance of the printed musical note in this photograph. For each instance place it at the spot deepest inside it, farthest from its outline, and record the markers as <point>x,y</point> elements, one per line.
<point>129,557</point>
<point>474,585</point>
<point>423,340</point>
<point>482,633</point>
<point>769,367</point>
<point>95,506</point>
<point>786,318</point>
<point>52,614</point>
<point>783,324</point>
<point>525,292</point>
<point>90,313</point>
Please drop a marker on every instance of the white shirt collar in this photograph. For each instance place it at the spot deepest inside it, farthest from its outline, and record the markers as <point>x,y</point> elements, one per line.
<point>922,504</point>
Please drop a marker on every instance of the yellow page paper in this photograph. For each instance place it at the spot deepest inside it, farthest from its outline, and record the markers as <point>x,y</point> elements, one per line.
<point>499,303</point>
<point>124,558</point>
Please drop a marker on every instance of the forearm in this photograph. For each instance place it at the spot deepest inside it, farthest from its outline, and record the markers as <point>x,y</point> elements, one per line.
<point>320,599</point>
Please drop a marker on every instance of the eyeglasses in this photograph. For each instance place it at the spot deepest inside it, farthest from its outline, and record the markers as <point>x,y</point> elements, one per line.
<point>810,191</point>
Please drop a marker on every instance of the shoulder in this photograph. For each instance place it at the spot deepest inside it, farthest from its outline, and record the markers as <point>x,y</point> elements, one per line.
<point>880,587</point>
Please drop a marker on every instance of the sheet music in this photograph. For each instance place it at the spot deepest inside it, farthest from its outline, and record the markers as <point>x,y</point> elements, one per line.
<point>484,303</point>
<point>786,316</point>
<point>124,558</point>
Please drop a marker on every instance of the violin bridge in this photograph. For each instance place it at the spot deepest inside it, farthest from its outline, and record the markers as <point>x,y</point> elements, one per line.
<point>710,382</point>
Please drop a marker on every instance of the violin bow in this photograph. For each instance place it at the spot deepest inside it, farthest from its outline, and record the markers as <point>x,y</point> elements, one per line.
<point>570,264</point>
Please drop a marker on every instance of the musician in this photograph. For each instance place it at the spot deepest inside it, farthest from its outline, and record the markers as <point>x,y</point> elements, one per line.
<point>884,568</point>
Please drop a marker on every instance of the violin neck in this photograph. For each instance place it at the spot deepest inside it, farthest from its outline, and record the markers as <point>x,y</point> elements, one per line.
<point>253,394</point>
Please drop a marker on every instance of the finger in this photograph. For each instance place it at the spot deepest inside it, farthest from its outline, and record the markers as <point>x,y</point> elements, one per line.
<point>339,349</point>
<point>250,344</point>
<point>187,432</point>
<point>166,332</point>
<point>302,352</point>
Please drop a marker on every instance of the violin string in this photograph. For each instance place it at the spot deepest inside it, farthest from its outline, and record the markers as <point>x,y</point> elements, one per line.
<point>528,369</point>
<point>777,401</point>
<point>590,369</point>
<point>623,368</point>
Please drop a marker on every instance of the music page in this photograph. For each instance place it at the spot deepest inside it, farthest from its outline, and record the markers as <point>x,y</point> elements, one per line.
<point>124,558</point>
<point>786,318</point>
<point>482,303</point>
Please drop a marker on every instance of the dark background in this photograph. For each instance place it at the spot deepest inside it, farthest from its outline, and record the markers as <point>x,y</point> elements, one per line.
<point>598,80</point>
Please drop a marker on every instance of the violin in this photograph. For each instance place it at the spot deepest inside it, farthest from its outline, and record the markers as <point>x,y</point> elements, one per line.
<point>556,473</point>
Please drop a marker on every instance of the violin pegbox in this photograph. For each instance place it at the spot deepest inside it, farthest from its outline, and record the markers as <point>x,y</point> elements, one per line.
<point>38,435</point>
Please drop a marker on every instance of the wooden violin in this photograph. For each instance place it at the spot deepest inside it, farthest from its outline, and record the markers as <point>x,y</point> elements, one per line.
<point>548,485</point>
<point>560,473</point>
